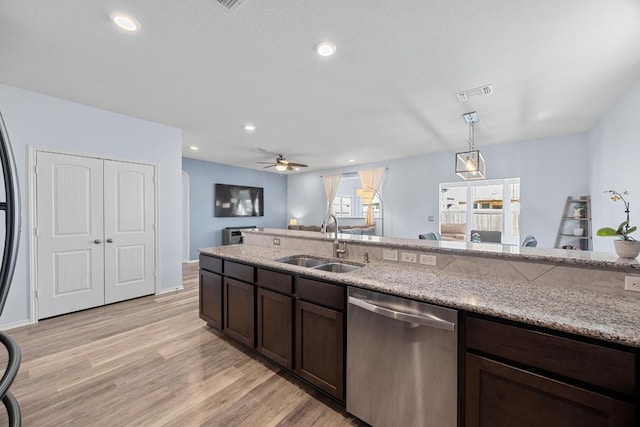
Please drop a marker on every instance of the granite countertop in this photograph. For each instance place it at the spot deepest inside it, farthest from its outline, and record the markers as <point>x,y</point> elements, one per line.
<point>611,318</point>
<point>494,250</point>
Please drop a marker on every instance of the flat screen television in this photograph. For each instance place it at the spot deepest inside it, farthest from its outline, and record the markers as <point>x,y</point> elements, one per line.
<point>238,200</point>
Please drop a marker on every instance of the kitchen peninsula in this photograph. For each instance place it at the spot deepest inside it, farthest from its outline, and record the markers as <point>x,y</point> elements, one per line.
<point>556,323</point>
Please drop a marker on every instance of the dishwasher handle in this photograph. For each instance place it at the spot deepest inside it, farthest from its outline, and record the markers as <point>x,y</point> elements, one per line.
<point>431,321</point>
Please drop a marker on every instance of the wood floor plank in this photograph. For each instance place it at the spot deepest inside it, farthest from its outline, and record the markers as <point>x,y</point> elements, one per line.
<point>153,362</point>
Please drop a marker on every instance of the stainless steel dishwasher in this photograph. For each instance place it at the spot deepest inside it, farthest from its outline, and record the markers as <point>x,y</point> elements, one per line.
<point>402,361</point>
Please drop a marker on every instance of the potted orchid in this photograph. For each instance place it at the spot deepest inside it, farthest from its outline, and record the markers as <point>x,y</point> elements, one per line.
<point>626,246</point>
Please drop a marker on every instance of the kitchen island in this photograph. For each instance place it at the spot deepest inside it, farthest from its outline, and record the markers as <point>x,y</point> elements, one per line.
<point>563,315</point>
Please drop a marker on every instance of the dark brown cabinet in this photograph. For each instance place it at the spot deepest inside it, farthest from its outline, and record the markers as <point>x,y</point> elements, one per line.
<point>270,310</point>
<point>239,311</point>
<point>275,316</point>
<point>499,395</point>
<point>520,377</point>
<point>211,299</point>
<point>275,327</point>
<point>320,335</point>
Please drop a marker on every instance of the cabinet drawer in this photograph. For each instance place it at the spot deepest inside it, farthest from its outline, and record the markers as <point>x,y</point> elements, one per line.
<point>278,282</point>
<point>501,395</point>
<point>602,366</point>
<point>210,263</point>
<point>320,293</point>
<point>239,271</point>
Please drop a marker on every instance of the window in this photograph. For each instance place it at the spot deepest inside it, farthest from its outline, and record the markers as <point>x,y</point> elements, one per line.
<point>349,202</point>
<point>342,206</point>
<point>495,206</point>
<point>376,207</point>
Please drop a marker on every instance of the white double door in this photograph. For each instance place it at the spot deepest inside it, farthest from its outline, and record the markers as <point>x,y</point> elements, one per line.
<point>95,237</point>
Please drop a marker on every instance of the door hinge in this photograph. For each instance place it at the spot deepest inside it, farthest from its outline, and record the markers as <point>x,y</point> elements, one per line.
<point>36,169</point>
<point>36,293</point>
<point>155,180</point>
<point>35,231</point>
<point>155,273</point>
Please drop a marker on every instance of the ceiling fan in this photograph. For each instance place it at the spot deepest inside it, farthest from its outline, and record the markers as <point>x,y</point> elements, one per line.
<point>283,164</point>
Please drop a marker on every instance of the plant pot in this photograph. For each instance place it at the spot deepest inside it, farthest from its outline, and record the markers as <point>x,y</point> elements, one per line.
<point>627,248</point>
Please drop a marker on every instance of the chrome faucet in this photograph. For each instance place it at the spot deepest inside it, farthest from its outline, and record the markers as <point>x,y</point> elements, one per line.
<point>336,244</point>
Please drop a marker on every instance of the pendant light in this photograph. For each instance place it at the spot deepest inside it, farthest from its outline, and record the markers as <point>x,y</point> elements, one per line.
<point>470,164</point>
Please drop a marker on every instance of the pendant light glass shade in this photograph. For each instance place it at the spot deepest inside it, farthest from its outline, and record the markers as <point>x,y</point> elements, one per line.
<point>470,164</point>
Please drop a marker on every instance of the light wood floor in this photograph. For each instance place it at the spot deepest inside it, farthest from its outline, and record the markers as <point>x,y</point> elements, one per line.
<point>153,362</point>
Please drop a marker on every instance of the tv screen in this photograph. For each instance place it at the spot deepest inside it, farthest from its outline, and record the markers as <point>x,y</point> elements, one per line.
<point>238,200</point>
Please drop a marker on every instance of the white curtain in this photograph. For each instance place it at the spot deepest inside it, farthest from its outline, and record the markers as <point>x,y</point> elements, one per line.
<point>331,184</point>
<point>371,179</point>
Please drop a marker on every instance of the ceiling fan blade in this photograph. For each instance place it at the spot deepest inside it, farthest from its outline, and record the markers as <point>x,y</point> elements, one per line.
<point>282,164</point>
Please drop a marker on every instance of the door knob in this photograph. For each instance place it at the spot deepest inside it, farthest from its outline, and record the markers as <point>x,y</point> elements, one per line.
<point>97,241</point>
<point>109,240</point>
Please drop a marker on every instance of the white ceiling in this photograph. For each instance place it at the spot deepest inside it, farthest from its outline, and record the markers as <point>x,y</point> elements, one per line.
<point>389,91</point>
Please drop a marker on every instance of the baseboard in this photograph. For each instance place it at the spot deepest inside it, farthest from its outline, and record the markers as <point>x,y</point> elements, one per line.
<point>168,290</point>
<point>14,325</point>
<point>191,261</point>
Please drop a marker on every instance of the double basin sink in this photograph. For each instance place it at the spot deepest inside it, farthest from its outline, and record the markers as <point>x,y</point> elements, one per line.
<point>320,263</point>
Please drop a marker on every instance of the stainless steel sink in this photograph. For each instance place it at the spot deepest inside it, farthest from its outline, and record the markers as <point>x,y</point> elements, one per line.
<point>303,261</point>
<point>320,263</point>
<point>337,267</point>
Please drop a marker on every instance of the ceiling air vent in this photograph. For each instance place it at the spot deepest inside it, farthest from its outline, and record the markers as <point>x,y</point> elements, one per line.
<point>230,5</point>
<point>479,91</point>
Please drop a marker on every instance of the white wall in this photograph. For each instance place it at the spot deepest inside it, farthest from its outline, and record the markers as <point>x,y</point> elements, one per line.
<point>550,170</point>
<point>615,152</point>
<point>44,121</point>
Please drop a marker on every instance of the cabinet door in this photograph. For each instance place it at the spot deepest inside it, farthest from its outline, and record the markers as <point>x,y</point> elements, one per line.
<point>498,395</point>
<point>320,347</point>
<point>275,327</point>
<point>211,299</point>
<point>239,311</point>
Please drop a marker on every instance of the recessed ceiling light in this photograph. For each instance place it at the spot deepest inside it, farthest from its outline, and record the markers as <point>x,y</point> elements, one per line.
<point>351,160</point>
<point>125,22</point>
<point>249,127</point>
<point>194,147</point>
<point>325,48</point>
